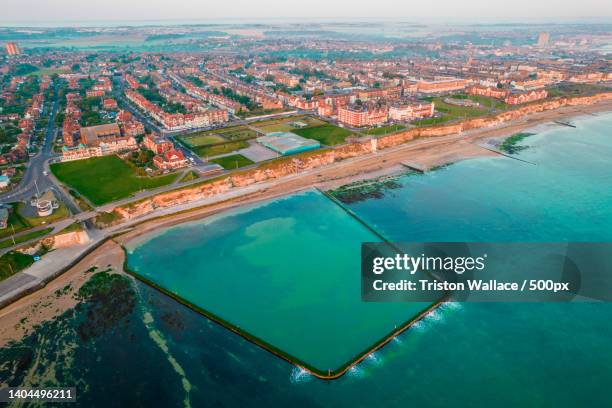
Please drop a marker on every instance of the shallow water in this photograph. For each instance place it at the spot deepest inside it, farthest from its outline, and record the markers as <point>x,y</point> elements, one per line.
<point>463,354</point>
<point>286,272</point>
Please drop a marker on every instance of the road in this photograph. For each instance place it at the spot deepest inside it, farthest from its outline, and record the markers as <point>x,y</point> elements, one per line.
<point>150,124</point>
<point>34,179</point>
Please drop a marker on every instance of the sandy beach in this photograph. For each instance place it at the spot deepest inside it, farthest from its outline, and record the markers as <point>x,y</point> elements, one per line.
<point>19,317</point>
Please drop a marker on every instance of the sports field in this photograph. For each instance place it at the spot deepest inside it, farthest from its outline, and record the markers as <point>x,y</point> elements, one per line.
<point>219,141</point>
<point>329,135</point>
<point>203,140</point>
<point>105,179</point>
<point>217,136</point>
<point>287,124</point>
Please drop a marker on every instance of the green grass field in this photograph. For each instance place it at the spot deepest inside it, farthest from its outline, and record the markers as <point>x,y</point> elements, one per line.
<point>432,121</point>
<point>329,135</point>
<point>105,179</point>
<point>216,150</point>
<point>279,127</point>
<point>50,71</point>
<point>285,124</point>
<point>60,213</point>
<point>384,130</point>
<point>485,102</point>
<point>572,89</point>
<point>237,133</point>
<point>192,175</point>
<point>15,222</point>
<point>490,103</point>
<point>233,162</point>
<point>456,111</point>
<point>13,262</point>
<point>24,238</point>
<point>202,140</point>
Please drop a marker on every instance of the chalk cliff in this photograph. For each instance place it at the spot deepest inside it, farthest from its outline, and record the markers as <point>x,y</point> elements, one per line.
<point>357,147</point>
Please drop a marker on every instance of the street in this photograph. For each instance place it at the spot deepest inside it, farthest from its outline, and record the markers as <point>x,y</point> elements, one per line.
<point>34,179</point>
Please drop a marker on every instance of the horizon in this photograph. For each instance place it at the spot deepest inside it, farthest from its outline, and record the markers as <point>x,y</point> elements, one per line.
<point>110,23</point>
<point>245,12</point>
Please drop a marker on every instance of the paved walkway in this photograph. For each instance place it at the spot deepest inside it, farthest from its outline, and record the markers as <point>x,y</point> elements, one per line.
<point>43,271</point>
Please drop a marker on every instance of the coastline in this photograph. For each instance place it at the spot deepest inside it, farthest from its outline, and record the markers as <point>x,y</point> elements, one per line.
<point>431,152</point>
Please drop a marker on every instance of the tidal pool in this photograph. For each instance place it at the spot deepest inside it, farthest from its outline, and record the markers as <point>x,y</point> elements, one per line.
<point>286,272</point>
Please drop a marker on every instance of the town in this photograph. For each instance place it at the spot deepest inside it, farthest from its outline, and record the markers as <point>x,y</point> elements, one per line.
<point>87,135</point>
<point>306,204</point>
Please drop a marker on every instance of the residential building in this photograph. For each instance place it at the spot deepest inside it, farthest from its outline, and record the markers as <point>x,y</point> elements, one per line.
<point>543,39</point>
<point>12,48</point>
<point>441,85</point>
<point>157,144</point>
<point>489,92</point>
<point>410,111</point>
<point>525,97</point>
<point>362,115</point>
<point>170,160</point>
<point>109,103</point>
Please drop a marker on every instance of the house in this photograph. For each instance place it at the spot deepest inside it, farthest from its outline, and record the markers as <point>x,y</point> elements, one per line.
<point>531,96</point>
<point>157,144</point>
<point>109,103</point>
<point>170,160</point>
<point>108,137</point>
<point>488,92</point>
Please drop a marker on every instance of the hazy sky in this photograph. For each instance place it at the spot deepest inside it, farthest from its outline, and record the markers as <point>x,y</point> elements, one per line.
<point>472,10</point>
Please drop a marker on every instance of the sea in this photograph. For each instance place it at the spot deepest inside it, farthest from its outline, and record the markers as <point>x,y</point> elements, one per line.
<point>127,344</point>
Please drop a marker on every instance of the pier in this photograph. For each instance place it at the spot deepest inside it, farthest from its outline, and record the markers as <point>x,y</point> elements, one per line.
<point>415,166</point>
<point>499,152</point>
<point>558,122</point>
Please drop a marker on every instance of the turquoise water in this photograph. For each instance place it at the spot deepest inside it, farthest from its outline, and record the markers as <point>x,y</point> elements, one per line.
<point>286,272</point>
<point>502,355</point>
<point>565,196</point>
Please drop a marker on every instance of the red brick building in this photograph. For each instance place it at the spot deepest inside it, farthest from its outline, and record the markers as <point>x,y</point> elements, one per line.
<point>489,92</point>
<point>157,144</point>
<point>359,116</point>
<point>531,96</point>
<point>170,160</point>
<point>12,48</point>
<point>109,103</point>
<point>410,111</point>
